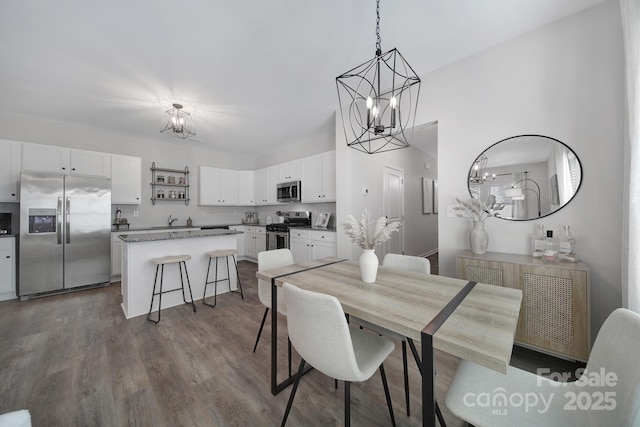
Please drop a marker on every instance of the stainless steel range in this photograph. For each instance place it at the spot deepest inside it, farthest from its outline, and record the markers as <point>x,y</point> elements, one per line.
<point>278,234</point>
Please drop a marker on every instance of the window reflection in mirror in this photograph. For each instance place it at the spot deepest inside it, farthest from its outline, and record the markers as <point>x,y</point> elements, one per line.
<point>532,175</point>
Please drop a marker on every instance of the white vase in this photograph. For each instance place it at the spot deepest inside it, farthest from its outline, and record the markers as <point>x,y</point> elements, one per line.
<point>478,238</point>
<point>368,266</point>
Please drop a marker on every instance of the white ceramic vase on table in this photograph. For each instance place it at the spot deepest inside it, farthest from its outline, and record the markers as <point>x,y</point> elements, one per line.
<point>368,265</point>
<point>478,238</point>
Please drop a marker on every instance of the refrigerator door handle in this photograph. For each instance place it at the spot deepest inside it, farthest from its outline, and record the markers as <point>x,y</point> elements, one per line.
<point>59,215</point>
<point>67,220</point>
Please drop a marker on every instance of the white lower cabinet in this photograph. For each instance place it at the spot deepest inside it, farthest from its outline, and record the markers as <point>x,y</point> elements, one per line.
<point>307,245</point>
<point>241,240</point>
<point>7,268</point>
<point>255,241</point>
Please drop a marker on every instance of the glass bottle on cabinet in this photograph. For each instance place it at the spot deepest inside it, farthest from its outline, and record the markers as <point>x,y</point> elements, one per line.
<point>538,243</point>
<point>567,246</point>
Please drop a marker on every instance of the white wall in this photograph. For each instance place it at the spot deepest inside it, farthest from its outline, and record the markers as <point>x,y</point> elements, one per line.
<point>564,80</point>
<point>357,170</point>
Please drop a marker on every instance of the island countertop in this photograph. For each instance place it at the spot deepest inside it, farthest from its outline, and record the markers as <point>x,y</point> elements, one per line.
<point>174,235</point>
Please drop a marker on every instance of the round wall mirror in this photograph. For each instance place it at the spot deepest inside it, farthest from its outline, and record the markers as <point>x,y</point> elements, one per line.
<point>532,175</point>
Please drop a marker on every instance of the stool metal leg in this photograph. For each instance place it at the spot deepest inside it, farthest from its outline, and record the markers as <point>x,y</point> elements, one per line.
<point>186,273</point>
<point>238,275</point>
<point>207,282</point>
<point>153,295</point>
<point>215,285</point>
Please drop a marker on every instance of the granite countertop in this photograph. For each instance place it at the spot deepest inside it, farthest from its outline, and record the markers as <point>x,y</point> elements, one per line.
<point>124,229</point>
<point>7,235</point>
<point>175,235</point>
<point>161,229</point>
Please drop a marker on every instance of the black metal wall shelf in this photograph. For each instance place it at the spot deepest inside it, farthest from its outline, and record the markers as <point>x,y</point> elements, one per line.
<point>159,182</point>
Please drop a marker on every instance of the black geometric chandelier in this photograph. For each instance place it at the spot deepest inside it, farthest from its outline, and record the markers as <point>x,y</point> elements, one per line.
<point>178,123</point>
<point>378,100</point>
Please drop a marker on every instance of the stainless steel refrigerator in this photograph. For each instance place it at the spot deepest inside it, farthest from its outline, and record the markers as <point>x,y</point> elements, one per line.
<point>65,232</point>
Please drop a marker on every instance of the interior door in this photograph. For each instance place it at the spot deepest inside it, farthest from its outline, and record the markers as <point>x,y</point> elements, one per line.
<point>393,207</point>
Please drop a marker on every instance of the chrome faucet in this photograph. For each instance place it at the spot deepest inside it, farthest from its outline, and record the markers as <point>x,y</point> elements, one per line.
<point>172,220</point>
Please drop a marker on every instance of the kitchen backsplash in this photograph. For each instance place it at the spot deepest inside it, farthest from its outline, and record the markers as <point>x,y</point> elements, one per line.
<point>148,215</point>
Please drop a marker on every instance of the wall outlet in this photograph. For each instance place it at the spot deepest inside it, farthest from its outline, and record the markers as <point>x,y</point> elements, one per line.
<point>135,213</point>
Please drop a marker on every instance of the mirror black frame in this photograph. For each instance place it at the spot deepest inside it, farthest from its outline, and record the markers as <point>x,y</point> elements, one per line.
<point>469,174</point>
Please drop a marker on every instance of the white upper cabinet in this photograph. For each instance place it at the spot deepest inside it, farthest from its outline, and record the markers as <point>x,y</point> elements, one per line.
<point>126,180</point>
<point>246,184</point>
<point>319,178</point>
<point>218,187</point>
<point>290,171</point>
<point>266,181</point>
<point>66,161</point>
<point>90,163</point>
<point>10,160</point>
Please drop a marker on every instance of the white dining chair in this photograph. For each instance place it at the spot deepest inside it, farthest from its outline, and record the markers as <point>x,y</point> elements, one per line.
<point>322,337</point>
<point>266,261</point>
<point>607,394</point>
<point>399,262</point>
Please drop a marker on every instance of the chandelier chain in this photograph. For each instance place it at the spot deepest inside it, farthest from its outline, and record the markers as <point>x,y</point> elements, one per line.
<point>378,39</point>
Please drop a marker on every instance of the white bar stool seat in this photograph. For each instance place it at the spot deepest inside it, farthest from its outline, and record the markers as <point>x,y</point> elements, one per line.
<point>181,260</point>
<point>226,253</point>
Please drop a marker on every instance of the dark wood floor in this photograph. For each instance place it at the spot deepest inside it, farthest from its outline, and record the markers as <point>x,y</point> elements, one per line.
<point>74,360</point>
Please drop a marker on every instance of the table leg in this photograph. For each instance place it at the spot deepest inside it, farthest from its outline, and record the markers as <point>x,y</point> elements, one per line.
<point>428,381</point>
<point>274,337</point>
<point>429,404</point>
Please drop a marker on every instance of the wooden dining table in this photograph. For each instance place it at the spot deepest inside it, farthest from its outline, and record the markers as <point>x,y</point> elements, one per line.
<point>469,320</point>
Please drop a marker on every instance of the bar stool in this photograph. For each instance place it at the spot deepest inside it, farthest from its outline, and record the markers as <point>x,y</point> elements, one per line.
<point>218,254</point>
<point>181,260</point>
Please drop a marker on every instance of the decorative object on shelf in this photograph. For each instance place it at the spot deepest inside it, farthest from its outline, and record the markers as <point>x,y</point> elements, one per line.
<point>178,123</point>
<point>322,220</point>
<point>158,185</point>
<point>478,211</point>
<point>378,100</point>
<point>368,234</point>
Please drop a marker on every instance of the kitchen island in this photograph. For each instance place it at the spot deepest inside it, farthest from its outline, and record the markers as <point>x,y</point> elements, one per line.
<point>138,271</point>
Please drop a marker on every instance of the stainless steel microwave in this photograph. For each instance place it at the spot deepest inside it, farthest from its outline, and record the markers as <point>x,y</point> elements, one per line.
<point>289,191</point>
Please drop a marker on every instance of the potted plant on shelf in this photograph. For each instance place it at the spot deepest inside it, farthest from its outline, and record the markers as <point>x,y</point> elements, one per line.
<point>368,234</point>
<point>478,211</point>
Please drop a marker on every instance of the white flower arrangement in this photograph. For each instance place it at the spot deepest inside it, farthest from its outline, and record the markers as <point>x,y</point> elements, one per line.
<point>367,233</point>
<point>478,210</point>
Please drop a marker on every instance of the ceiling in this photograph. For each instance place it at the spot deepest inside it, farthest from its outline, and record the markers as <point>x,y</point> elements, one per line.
<point>256,75</point>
